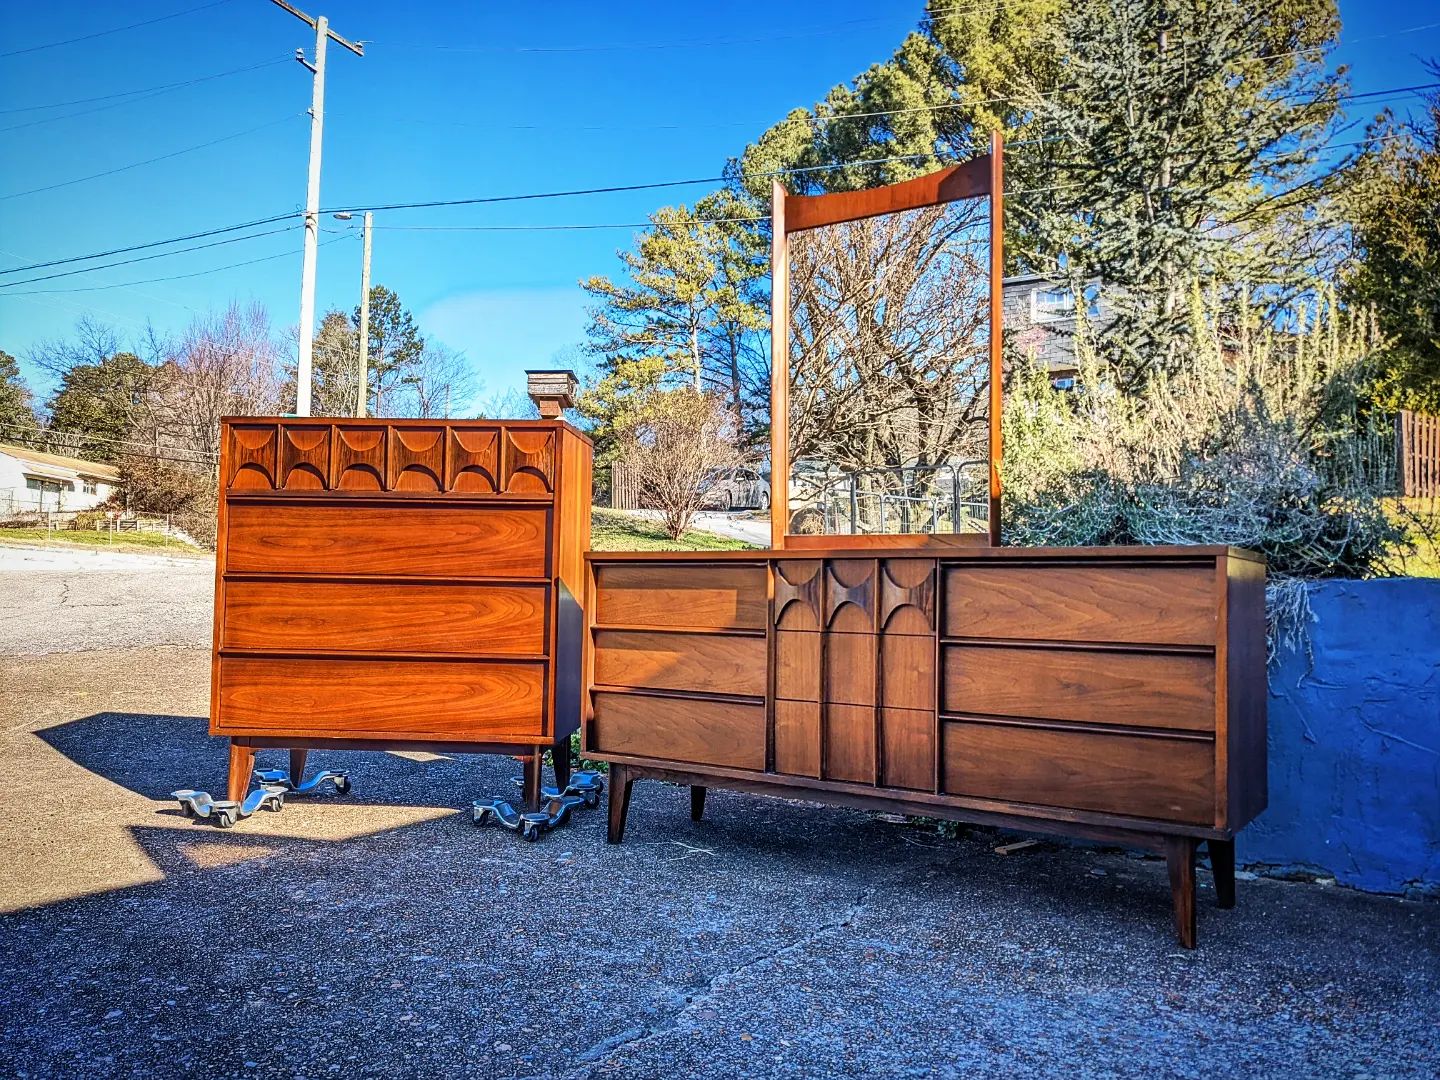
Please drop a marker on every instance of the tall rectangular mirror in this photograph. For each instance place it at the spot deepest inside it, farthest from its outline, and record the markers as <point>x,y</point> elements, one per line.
<point>885,362</point>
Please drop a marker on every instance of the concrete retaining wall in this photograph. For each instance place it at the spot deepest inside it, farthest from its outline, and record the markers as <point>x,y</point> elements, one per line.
<point>1355,741</point>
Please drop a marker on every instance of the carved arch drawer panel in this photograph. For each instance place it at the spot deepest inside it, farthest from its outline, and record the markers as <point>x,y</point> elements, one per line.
<point>476,459</point>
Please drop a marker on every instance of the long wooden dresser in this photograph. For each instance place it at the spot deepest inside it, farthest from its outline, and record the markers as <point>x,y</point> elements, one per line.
<point>1110,693</point>
<point>385,584</point>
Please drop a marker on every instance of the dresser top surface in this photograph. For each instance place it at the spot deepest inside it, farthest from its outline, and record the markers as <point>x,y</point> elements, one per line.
<point>1130,553</point>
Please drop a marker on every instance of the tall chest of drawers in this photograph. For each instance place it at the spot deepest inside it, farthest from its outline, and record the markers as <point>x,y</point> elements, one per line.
<point>389,583</point>
<point>1117,694</point>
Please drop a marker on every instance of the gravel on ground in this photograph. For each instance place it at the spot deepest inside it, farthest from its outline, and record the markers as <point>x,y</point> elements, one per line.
<point>380,934</point>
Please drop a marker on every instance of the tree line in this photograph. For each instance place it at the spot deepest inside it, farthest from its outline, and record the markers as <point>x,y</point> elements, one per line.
<point>153,405</point>
<point>1152,146</point>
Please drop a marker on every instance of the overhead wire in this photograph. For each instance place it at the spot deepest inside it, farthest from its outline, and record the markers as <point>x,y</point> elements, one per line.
<point>113,30</point>
<point>171,277</point>
<point>147,258</point>
<point>127,98</point>
<point>153,160</point>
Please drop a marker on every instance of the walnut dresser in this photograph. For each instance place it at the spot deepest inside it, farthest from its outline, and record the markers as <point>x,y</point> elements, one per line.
<point>1116,694</point>
<point>385,584</point>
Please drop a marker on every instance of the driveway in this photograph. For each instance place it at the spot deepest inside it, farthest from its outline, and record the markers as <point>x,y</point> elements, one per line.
<point>381,934</point>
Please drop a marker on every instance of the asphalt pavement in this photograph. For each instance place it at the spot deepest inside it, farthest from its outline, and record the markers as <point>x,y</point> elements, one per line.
<point>380,934</point>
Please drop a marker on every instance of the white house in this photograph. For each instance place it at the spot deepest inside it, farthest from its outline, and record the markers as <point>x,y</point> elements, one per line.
<point>34,481</point>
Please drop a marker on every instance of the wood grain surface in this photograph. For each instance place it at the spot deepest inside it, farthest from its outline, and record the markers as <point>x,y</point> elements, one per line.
<point>402,539</point>
<point>706,663</point>
<point>721,597</point>
<point>1165,779</point>
<point>679,729</point>
<point>1161,690</point>
<point>1160,605</point>
<point>473,700</point>
<point>388,617</point>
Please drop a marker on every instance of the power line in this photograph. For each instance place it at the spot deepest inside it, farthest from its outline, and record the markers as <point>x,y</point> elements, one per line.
<point>114,30</point>
<point>637,46</point>
<point>151,161</point>
<point>152,244</point>
<point>142,258</point>
<point>172,277</point>
<point>148,89</point>
<point>483,200</point>
<point>128,97</point>
<point>567,228</point>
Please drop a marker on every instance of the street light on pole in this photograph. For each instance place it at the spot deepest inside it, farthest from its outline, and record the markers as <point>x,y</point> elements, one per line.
<point>363,393</point>
<point>323,34</point>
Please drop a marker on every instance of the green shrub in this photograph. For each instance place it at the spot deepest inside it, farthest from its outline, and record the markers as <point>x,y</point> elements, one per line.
<point>1261,440</point>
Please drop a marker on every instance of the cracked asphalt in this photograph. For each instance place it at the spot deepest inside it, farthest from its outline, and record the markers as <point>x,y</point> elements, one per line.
<point>379,934</point>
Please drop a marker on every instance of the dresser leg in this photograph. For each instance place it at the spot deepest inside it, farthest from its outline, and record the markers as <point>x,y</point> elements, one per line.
<point>242,767</point>
<point>560,755</point>
<point>1180,858</point>
<point>697,802</point>
<point>297,766</point>
<point>1222,862</point>
<point>530,793</point>
<point>620,785</point>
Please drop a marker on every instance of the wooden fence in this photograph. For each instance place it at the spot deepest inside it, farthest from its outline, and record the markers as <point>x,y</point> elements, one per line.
<point>617,487</point>
<point>1417,441</point>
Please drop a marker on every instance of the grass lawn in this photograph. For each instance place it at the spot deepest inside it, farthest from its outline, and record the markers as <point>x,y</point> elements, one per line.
<point>614,530</point>
<point>154,543</point>
<point>1421,518</point>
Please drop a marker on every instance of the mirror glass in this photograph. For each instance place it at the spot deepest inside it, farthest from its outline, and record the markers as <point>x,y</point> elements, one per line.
<point>889,389</point>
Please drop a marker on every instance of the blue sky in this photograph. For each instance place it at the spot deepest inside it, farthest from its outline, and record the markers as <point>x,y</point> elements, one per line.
<point>450,101</point>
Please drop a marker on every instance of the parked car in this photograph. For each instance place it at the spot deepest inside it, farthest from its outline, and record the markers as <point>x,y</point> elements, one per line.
<point>739,489</point>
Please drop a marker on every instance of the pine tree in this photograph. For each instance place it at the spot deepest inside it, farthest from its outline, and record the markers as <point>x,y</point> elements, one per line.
<point>1397,272</point>
<point>689,310</point>
<point>17,415</point>
<point>1182,146</point>
<point>96,404</point>
<point>336,365</point>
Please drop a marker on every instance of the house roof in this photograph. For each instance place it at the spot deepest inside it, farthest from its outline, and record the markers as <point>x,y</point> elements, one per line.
<point>59,461</point>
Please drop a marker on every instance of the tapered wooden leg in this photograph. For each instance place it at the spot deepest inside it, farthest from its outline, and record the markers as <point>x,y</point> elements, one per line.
<point>1180,858</point>
<point>297,766</point>
<point>531,790</point>
<point>242,765</point>
<point>1222,862</point>
<point>560,754</point>
<point>620,785</point>
<point>697,802</point>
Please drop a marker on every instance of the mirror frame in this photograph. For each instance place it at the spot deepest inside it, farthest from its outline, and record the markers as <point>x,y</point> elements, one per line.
<point>980,176</point>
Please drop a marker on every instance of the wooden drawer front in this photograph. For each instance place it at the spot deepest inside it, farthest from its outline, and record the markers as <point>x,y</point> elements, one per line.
<point>797,738</point>
<point>659,594</point>
<point>400,540</point>
<point>1135,775</point>
<point>797,665</point>
<point>907,671</point>
<point>1162,690</point>
<point>706,663</point>
<point>908,743</point>
<point>679,729</point>
<point>849,669</point>
<point>382,698</point>
<point>361,617</point>
<point>1160,605</point>
<point>850,743</point>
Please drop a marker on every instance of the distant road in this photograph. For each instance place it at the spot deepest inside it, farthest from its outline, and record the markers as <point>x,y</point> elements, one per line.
<point>73,600</point>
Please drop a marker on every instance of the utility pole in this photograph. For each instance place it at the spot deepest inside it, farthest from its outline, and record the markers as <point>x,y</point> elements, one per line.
<point>364,392</point>
<point>323,34</point>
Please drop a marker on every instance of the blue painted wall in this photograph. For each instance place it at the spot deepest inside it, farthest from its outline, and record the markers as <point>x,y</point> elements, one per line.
<point>1355,741</point>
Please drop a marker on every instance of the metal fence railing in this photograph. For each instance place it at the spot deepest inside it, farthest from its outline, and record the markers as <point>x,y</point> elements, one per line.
<point>947,498</point>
